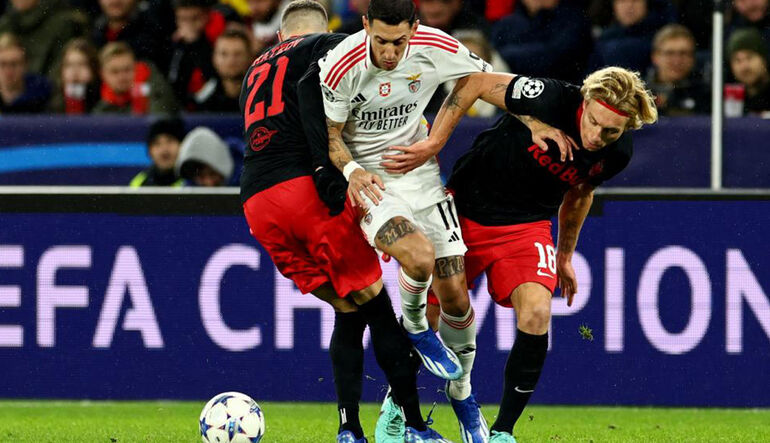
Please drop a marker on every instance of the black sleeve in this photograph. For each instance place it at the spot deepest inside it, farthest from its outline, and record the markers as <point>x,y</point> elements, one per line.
<point>542,98</point>
<point>615,162</point>
<point>311,108</point>
<point>326,43</point>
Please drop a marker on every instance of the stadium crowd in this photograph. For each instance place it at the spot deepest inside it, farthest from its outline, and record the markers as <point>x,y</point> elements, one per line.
<point>161,57</point>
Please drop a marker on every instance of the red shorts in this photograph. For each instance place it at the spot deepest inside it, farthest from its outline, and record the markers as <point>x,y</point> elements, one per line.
<point>307,245</point>
<point>510,255</point>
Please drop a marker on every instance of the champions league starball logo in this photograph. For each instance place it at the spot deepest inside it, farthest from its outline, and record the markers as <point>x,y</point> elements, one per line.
<point>532,88</point>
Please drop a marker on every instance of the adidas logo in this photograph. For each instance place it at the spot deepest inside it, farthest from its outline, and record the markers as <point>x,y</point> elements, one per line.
<point>454,237</point>
<point>358,99</point>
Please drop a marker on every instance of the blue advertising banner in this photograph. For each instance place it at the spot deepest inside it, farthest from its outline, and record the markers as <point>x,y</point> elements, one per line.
<point>169,297</point>
<point>103,150</point>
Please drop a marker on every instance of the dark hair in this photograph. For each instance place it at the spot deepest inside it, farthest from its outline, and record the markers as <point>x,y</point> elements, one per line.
<point>392,12</point>
<point>237,31</point>
<point>205,4</point>
<point>172,126</point>
<point>303,5</point>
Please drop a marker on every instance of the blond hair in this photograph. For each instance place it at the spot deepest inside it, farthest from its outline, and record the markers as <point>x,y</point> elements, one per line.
<point>9,40</point>
<point>114,49</point>
<point>623,90</point>
<point>671,32</point>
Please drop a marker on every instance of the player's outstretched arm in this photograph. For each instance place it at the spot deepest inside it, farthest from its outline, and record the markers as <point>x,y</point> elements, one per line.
<point>490,87</point>
<point>572,213</point>
<point>360,182</point>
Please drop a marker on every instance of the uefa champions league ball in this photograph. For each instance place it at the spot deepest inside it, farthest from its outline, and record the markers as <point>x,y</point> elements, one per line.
<point>232,417</point>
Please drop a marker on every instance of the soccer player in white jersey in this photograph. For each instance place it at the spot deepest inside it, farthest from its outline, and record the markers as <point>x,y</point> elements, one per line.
<point>376,85</point>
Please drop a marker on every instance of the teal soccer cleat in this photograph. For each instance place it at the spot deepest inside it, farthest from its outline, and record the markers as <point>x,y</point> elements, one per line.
<point>391,424</point>
<point>501,437</point>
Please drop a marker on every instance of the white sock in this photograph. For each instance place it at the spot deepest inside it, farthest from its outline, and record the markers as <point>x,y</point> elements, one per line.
<point>414,297</point>
<point>459,334</point>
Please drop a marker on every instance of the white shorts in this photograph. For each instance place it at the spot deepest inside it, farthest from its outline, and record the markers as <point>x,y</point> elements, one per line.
<point>438,222</point>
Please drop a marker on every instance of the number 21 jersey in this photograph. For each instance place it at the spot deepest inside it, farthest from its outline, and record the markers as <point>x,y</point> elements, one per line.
<point>277,149</point>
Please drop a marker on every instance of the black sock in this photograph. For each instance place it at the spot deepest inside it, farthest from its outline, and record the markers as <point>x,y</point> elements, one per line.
<point>394,355</point>
<point>521,373</point>
<point>347,353</point>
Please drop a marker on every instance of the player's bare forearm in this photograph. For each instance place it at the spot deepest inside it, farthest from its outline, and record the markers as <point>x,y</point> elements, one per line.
<point>338,150</point>
<point>489,87</point>
<point>572,213</point>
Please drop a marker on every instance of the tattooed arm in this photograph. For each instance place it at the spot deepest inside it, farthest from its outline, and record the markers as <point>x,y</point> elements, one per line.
<point>572,213</point>
<point>362,185</point>
<point>489,87</point>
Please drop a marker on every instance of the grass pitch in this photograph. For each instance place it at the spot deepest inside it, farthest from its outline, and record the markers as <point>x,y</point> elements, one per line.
<point>119,422</point>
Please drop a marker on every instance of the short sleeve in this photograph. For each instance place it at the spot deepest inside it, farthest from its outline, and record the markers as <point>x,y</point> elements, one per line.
<point>613,163</point>
<point>336,99</point>
<point>457,63</point>
<point>538,97</point>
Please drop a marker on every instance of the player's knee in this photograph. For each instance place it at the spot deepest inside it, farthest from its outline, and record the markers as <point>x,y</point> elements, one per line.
<point>535,319</point>
<point>418,260</point>
<point>455,302</point>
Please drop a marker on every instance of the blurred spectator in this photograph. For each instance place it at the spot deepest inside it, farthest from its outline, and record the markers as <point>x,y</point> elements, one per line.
<point>673,79</point>
<point>232,57</point>
<point>265,21</point>
<point>122,20</point>
<point>449,15</point>
<point>77,80</point>
<point>544,38</point>
<point>131,86</point>
<point>492,10</point>
<point>697,17</point>
<point>477,43</point>
<point>752,13</point>
<point>43,26</point>
<point>205,159</point>
<point>163,141</point>
<point>627,42</point>
<point>20,91</point>
<point>197,27</point>
<point>354,23</point>
<point>747,54</point>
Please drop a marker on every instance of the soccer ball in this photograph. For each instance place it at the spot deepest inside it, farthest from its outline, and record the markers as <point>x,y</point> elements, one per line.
<point>232,417</point>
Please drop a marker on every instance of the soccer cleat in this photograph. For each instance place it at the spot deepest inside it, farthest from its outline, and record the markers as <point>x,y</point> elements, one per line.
<point>427,436</point>
<point>390,424</point>
<point>501,437</point>
<point>348,437</point>
<point>437,358</point>
<point>473,426</point>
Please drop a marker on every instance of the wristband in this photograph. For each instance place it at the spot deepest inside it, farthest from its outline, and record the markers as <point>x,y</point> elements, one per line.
<point>349,168</point>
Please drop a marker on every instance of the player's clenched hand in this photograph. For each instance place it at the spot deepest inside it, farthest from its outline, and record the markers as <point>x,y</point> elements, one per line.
<point>362,183</point>
<point>542,132</point>
<point>410,157</point>
<point>567,280</point>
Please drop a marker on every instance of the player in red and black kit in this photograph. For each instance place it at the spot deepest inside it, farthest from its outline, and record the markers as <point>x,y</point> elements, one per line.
<point>322,251</point>
<point>507,188</point>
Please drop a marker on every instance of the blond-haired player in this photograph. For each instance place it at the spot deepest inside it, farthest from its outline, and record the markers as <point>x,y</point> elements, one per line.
<point>507,189</point>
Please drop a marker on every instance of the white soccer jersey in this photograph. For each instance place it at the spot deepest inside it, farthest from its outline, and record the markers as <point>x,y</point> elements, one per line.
<point>384,108</point>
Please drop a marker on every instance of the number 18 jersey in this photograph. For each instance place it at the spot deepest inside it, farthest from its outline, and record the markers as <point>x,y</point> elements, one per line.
<point>277,149</point>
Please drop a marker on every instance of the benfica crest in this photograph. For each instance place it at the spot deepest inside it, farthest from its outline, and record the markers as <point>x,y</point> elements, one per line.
<point>385,89</point>
<point>415,83</point>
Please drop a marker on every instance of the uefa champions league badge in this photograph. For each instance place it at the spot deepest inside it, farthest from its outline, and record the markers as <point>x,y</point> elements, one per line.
<point>385,89</point>
<point>415,82</point>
